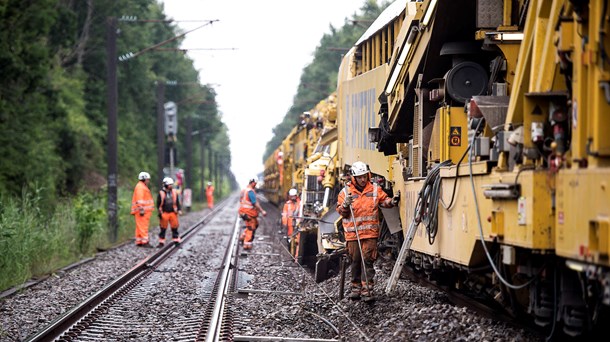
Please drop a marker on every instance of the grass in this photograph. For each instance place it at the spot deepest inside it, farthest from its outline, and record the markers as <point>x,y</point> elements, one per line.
<point>36,241</point>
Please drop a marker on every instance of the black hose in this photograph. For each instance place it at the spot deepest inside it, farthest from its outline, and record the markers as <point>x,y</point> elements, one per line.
<point>325,321</point>
<point>426,208</point>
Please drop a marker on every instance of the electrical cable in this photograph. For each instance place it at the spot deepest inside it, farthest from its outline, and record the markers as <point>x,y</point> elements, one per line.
<point>480,225</point>
<point>426,207</point>
<point>457,173</point>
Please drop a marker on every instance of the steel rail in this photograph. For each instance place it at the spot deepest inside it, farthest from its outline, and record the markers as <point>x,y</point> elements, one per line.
<point>84,313</point>
<point>215,326</point>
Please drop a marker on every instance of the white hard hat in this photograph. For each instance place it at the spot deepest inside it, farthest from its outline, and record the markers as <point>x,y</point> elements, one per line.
<point>143,175</point>
<point>292,192</point>
<point>209,183</point>
<point>168,181</point>
<point>359,168</point>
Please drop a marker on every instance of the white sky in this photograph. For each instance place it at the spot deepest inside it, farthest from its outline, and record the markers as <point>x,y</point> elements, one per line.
<point>273,41</point>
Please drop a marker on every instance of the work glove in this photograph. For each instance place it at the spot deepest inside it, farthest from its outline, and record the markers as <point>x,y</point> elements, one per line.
<point>396,199</point>
<point>347,201</point>
<point>264,213</point>
<point>141,211</point>
<point>179,212</point>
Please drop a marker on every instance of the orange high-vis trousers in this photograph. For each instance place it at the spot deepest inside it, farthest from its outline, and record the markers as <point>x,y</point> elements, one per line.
<point>142,223</point>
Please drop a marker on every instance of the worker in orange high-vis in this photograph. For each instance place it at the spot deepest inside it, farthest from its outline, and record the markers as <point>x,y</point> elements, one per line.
<point>358,203</point>
<point>209,193</point>
<point>249,207</point>
<point>142,206</point>
<point>169,206</point>
<point>290,212</point>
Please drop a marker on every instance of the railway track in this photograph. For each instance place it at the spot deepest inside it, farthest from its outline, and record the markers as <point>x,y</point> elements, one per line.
<point>123,307</point>
<point>209,289</point>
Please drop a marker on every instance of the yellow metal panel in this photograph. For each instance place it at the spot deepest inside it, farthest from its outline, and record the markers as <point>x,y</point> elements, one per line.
<point>458,231</point>
<point>599,106</point>
<point>497,222</point>
<point>454,133</point>
<point>529,220</point>
<point>357,109</point>
<point>583,201</point>
<point>598,237</point>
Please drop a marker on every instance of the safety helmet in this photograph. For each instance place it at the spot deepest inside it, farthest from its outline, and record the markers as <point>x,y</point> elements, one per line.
<point>168,181</point>
<point>292,192</point>
<point>143,175</point>
<point>209,183</point>
<point>359,168</point>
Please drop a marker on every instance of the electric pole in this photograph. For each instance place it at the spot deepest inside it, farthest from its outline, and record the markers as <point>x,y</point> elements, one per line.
<point>112,98</point>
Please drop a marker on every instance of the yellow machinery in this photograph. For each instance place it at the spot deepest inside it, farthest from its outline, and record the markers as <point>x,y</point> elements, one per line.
<point>489,117</point>
<point>271,176</point>
<point>360,129</point>
<point>317,236</point>
<point>302,162</point>
<point>494,113</point>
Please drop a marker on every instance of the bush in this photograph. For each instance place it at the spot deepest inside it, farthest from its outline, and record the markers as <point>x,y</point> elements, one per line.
<point>90,219</point>
<point>35,242</point>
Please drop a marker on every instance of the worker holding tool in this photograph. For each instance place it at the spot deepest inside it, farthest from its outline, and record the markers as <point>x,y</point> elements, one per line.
<point>358,204</point>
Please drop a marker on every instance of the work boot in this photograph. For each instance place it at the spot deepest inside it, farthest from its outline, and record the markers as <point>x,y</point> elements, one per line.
<point>355,294</point>
<point>146,245</point>
<point>161,244</point>
<point>367,294</point>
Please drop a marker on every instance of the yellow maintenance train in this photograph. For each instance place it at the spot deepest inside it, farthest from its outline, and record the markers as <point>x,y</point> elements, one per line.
<point>490,119</point>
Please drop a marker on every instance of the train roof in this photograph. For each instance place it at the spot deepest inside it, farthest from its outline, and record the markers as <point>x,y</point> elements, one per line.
<point>387,16</point>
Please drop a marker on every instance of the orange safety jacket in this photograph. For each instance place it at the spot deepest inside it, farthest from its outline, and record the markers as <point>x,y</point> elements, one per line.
<point>290,211</point>
<point>245,206</point>
<point>366,211</point>
<point>209,191</point>
<point>141,199</point>
<point>174,200</point>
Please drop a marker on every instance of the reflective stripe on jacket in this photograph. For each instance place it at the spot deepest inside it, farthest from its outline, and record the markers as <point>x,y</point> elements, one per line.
<point>246,207</point>
<point>365,207</point>
<point>142,199</point>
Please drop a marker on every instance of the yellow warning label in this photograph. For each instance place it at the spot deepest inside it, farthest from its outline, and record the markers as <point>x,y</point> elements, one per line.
<point>455,136</point>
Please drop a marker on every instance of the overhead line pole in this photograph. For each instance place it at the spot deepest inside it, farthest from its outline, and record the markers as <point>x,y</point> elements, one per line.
<point>112,107</point>
<point>112,93</point>
<point>160,130</point>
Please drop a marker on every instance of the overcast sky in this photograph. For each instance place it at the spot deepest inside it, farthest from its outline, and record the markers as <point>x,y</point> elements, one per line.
<point>268,43</point>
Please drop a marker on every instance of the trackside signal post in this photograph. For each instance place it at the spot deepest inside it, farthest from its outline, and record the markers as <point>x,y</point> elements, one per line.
<point>171,131</point>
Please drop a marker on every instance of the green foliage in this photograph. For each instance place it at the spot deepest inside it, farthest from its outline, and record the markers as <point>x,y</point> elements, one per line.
<point>53,94</point>
<point>319,78</point>
<point>32,242</point>
<point>90,216</point>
